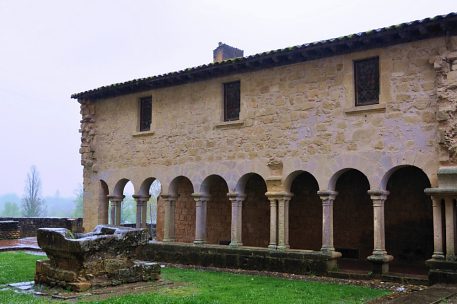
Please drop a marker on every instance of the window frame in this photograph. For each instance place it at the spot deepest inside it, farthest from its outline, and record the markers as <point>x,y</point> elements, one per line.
<point>375,101</point>
<point>226,95</point>
<point>141,113</point>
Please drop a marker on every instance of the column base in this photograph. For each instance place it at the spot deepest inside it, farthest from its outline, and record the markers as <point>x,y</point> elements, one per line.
<point>168,240</point>
<point>380,263</point>
<point>199,242</point>
<point>235,244</point>
<point>438,256</point>
<point>442,271</point>
<point>282,247</point>
<point>272,247</point>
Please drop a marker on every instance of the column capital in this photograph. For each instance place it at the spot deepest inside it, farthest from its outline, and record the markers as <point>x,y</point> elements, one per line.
<point>200,197</point>
<point>278,195</point>
<point>116,198</point>
<point>327,195</point>
<point>377,194</point>
<point>234,196</point>
<point>441,193</point>
<point>141,198</point>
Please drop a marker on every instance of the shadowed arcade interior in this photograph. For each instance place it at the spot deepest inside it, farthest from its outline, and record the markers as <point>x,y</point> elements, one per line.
<point>256,213</point>
<point>305,214</point>
<point>408,219</point>
<point>353,216</point>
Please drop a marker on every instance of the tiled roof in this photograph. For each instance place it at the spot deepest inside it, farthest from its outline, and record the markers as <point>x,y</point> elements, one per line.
<point>405,32</point>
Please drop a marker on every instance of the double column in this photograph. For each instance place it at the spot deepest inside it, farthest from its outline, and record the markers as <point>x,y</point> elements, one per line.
<point>279,220</point>
<point>438,197</point>
<point>201,202</point>
<point>115,214</point>
<point>379,257</point>
<point>237,221</point>
<point>141,210</point>
<point>169,218</point>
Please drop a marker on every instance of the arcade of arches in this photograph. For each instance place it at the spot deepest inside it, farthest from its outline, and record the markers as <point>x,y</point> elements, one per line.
<point>392,226</point>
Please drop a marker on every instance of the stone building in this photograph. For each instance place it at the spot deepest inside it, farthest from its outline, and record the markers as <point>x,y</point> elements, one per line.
<point>324,148</point>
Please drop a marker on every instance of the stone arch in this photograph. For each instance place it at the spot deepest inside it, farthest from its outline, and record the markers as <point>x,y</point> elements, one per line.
<point>353,215</point>
<point>408,218</point>
<point>103,203</point>
<point>145,186</point>
<point>305,211</point>
<point>182,188</point>
<point>120,210</point>
<point>218,219</point>
<point>119,187</point>
<point>255,210</point>
<point>241,183</point>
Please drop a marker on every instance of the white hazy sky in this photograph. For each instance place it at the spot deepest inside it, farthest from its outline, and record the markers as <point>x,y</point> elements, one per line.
<point>51,49</point>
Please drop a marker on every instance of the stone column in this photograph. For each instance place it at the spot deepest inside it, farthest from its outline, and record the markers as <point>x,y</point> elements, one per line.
<point>116,203</point>
<point>450,227</point>
<point>379,258</point>
<point>200,217</point>
<point>141,210</point>
<point>438,253</point>
<point>237,218</point>
<point>283,221</point>
<point>273,222</point>
<point>169,218</point>
<point>327,197</point>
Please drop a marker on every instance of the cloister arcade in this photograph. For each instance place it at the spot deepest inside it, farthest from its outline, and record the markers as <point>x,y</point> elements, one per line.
<point>390,222</point>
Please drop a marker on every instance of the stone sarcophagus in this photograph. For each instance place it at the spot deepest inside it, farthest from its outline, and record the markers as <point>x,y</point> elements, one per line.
<point>102,257</point>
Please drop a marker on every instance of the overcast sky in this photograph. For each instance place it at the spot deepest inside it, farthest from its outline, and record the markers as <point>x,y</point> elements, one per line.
<point>51,49</point>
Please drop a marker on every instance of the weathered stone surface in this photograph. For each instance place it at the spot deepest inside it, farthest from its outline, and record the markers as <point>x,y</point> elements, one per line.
<point>28,226</point>
<point>9,230</point>
<point>298,262</point>
<point>105,256</point>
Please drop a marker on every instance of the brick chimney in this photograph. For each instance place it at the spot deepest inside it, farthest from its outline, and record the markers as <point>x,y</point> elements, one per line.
<point>224,52</point>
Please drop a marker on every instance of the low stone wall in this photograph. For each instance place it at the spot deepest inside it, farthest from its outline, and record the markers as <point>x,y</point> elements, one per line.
<point>297,262</point>
<point>9,230</point>
<point>28,226</point>
<point>151,228</point>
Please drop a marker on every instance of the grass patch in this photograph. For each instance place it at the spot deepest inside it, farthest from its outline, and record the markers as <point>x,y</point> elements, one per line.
<point>198,286</point>
<point>17,266</point>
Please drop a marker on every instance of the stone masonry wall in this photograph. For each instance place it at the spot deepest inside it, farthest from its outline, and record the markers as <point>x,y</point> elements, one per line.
<point>301,114</point>
<point>445,65</point>
<point>160,218</point>
<point>184,212</point>
<point>29,225</point>
<point>9,230</point>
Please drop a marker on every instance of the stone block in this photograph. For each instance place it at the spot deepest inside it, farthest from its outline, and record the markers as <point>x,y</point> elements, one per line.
<point>105,256</point>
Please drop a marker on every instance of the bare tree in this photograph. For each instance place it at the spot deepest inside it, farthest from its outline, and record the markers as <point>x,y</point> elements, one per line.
<point>32,204</point>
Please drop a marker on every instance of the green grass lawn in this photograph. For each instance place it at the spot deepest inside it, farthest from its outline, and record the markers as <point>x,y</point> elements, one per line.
<point>195,286</point>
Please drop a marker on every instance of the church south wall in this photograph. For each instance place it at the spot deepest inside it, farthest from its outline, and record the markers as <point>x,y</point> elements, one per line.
<point>302,115</point>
